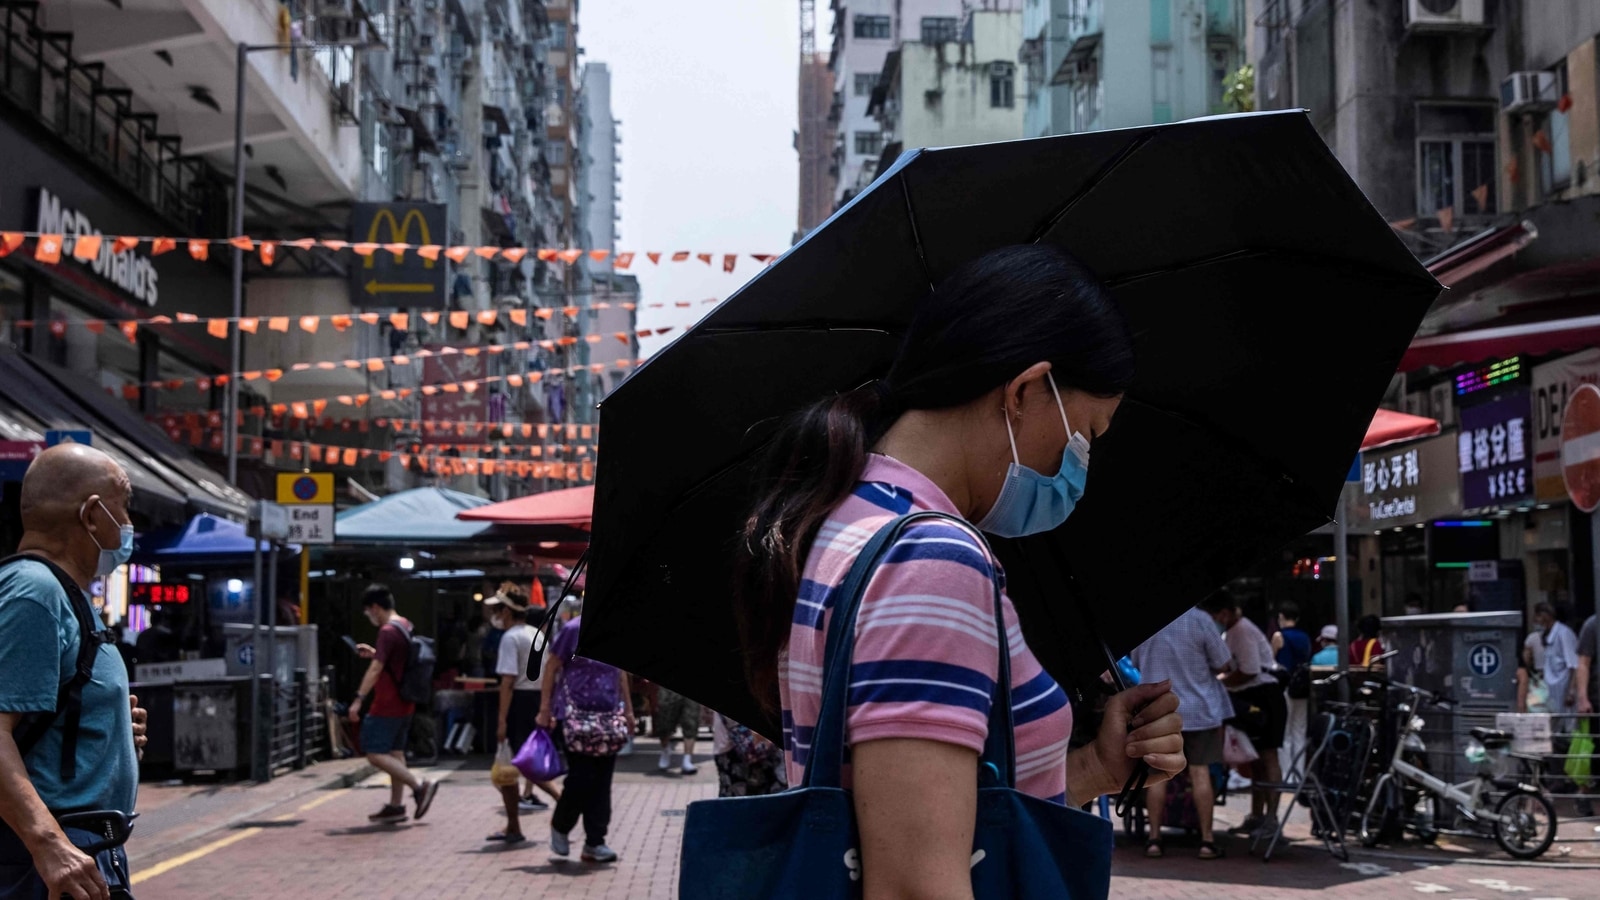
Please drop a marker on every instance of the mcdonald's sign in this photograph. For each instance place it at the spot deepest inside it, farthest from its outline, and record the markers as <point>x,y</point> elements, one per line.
<point>400,280</point>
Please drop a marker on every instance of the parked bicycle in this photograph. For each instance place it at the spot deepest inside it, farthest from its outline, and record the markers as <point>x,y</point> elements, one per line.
<point>1407,796</point>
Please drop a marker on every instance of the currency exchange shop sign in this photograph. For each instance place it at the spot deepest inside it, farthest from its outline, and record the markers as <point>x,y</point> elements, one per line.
<point>1492,454</point>
<point>404,279</point>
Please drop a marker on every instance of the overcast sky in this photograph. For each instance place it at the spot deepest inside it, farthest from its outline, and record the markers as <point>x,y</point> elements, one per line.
<point>706,91</point>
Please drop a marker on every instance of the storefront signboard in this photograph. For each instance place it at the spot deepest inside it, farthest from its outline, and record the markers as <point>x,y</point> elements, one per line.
<point>1406,484</point>
<point>406,279</point>
<point>1553,384</point>
<point>1492,454</point>
<point>16,456</point>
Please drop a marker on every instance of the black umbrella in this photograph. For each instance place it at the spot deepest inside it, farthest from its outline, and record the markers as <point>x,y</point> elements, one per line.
<point>1270,305</point>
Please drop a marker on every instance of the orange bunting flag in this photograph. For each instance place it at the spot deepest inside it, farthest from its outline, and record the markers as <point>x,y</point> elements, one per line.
<point>401,360</point>
<point>301,243</point>
<point>349,456</point>
<point>471,351</point>
<point>48,248</point>
<point>250,376</point>
<point>217,328</point>
<point>544,313</point>
<point>432,318</point>
<point>85,247</point>
<point>763,258</point>
<point>680,256</point>
<point>570,312</point>
<point>309,324</point>
<point>654,258</point>
<point>663,330</point>
<point>1403,224</point>
<point>630,307</point>
<point>703,257</point>
<point>162,245</point>
<point>621,336</point>
<point>644,332</point>
<point>429,252</point>
<point>123,244</point>
<point>592,338</point>
<point>519,317</point>
<point>269,252</point>
<point>527,430</point>
<point>1480,196</point>
<point>340,322</point>
<point>1447,218</point>
<point>318,406</point>
<point>272,374</point>
<point>249,325</point>
<point>405,460</point>
<point>572,432</point>
<point>514,254</point>
<point>729,260</point>
<point>682,304</point>
<point>458,319</point>
<point>364,248</point>
<point>243,243</point>
<point>398,249</point>
<point>623,260</point>
<point>187,317</point>
<point>1564,104</point>
<point>599,256</point>
<point>544,432</point>
<point>95,326</point>
<point>570,256</point>
<point>486,252</point>
<point>487,317</point>
<point>514,381</point>
<point>374,365</point>
<point>457,254</point>
<point>547,255</point>
<point>10,241</point>
<point>199,249</point>
<point>202,384</point>
<point>368,318</point>
<point>400,321</point>
<point>130,330</point>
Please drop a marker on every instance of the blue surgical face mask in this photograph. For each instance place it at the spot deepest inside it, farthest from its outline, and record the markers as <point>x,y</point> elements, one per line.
<point>116,556</point>
<point>1030,503</point>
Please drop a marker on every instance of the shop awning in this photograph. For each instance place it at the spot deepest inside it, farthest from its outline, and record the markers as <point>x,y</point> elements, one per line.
<point>204,538</point>
<point>420,516</point>
<point>1531,338</point>
<point>1390,427</point>
<point>168,483</point>
<point>1466,259</point>
<point>570,506</point>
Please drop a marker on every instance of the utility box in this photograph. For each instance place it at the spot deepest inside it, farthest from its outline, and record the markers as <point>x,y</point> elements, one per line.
<point>295,647</point>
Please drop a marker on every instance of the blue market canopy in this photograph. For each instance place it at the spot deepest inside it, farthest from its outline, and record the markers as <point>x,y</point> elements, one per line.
<point>204,538</point>
<point>425,515</point>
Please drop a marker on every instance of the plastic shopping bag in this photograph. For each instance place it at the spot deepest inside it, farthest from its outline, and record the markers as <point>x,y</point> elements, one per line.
<point>1582,747</point>
<point>1237,750</point>
<point>539,759</point>
<point>503,773</point>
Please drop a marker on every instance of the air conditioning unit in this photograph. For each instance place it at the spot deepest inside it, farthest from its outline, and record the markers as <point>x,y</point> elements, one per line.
<point>1526,92</point>
<point>334,9</point>
<point>1444,15</point>
<point>423,43</point>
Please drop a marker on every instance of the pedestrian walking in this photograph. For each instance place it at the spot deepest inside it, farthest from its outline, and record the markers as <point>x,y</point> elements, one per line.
<point>673,712</point>
<point>593,705</point>
<point>1587,693</point>
<point>1190,654</point>
<point>748,765</point>
<point>519,697</point>
<point>1260,710</point>
<point>387,722</point>
<point>1291,649</point>
<point>70,733</point>
<point>1006,374</point>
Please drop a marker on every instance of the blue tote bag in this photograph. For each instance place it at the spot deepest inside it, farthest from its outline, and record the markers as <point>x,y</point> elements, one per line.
<point>803,843</point>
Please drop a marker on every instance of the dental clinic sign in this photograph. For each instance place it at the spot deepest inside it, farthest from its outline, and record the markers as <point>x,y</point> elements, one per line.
<point>1406,484</point>
<point>129,270</point>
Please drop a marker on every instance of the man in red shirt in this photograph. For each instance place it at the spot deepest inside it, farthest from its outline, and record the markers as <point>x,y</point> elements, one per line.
<point>384,731</point>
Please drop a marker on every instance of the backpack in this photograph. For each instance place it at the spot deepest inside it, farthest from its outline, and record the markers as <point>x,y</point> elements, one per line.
<point>32,727</point>
<point>415,684</point>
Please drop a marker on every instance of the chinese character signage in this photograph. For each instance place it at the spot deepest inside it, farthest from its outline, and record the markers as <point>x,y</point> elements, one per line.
<point>311,524</point>
<point>1406,484</point>
<point>154,594</point>
<point>1492,454</point>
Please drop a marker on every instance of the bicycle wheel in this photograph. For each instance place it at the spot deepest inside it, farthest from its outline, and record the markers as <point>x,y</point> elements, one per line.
<point>1527,824</point>
<point>1382,816</point>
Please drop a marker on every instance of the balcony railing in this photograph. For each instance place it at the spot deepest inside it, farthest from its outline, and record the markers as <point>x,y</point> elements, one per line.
<point>72,100</point>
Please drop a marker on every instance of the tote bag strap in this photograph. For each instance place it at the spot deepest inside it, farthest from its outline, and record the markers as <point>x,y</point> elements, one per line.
<point>826,760</point>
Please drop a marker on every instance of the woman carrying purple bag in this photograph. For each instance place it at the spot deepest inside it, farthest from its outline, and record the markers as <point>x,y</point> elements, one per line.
<point>594,708</point>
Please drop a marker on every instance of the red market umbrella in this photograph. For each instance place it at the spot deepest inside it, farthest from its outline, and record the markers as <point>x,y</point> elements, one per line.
<point>573,507</point>
<point>1388,427</point>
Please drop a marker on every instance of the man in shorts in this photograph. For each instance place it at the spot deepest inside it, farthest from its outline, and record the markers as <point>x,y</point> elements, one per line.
<point>1190,653</point>
<point>388,719</point>
<point>674,711</point>
<point>1261,710</point>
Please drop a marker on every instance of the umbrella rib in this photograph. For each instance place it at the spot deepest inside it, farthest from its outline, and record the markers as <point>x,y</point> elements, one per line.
<point>916,234</point>
<point>1094,182</point>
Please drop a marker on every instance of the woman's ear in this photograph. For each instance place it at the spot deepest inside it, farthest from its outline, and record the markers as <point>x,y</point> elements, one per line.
<point>1016,389</point>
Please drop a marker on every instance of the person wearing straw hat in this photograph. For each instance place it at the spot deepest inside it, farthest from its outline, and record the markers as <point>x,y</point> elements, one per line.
<point>519,694</point>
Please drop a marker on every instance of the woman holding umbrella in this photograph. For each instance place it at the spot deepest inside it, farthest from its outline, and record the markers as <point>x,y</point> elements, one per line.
<point>1007,373</point>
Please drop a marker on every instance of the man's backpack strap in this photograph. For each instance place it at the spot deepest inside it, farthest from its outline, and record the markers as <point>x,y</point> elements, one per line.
<point>32,727</point>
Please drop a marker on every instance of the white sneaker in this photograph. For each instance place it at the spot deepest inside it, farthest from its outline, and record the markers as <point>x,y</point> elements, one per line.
<point>559,845</point>
<point>665,762</point>
<point>688,765</point>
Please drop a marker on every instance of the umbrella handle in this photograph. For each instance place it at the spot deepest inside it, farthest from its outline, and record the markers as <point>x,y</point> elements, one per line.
<point>1141,769</point>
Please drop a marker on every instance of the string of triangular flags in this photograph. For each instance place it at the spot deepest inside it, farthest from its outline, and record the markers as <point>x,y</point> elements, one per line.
<point>203,383</point>
<point>218,326</point>
<point>53,248</point>
<point>458,427</point>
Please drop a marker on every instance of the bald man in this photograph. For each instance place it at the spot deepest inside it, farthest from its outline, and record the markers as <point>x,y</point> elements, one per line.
<point>75,527</point>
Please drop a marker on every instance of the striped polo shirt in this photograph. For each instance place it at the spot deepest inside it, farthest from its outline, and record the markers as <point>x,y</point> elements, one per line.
<point>926,651</point>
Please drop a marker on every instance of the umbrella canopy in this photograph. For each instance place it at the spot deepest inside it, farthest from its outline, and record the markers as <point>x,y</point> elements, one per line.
<point>1254,275</point>
<point>204,538</point>
<point>425,515</point>
<point>1390,427</point>
<point>569,506</point>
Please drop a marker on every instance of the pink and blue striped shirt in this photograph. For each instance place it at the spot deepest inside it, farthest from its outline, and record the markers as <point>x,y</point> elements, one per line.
<point>926,652</point>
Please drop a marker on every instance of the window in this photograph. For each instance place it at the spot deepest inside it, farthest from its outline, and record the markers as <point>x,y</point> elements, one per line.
<point>1455,159</point>
<point>1554,150</point>
<point>939,30</point>
<point>1002,85</point>
<point>869,143</point>
<point>555,153</point>
<point>378,149</point>
<point>872,27</point>
<point>13,306</point>
<point>865,82</point>
<point>558,35</point>
<point>1219,58</point>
